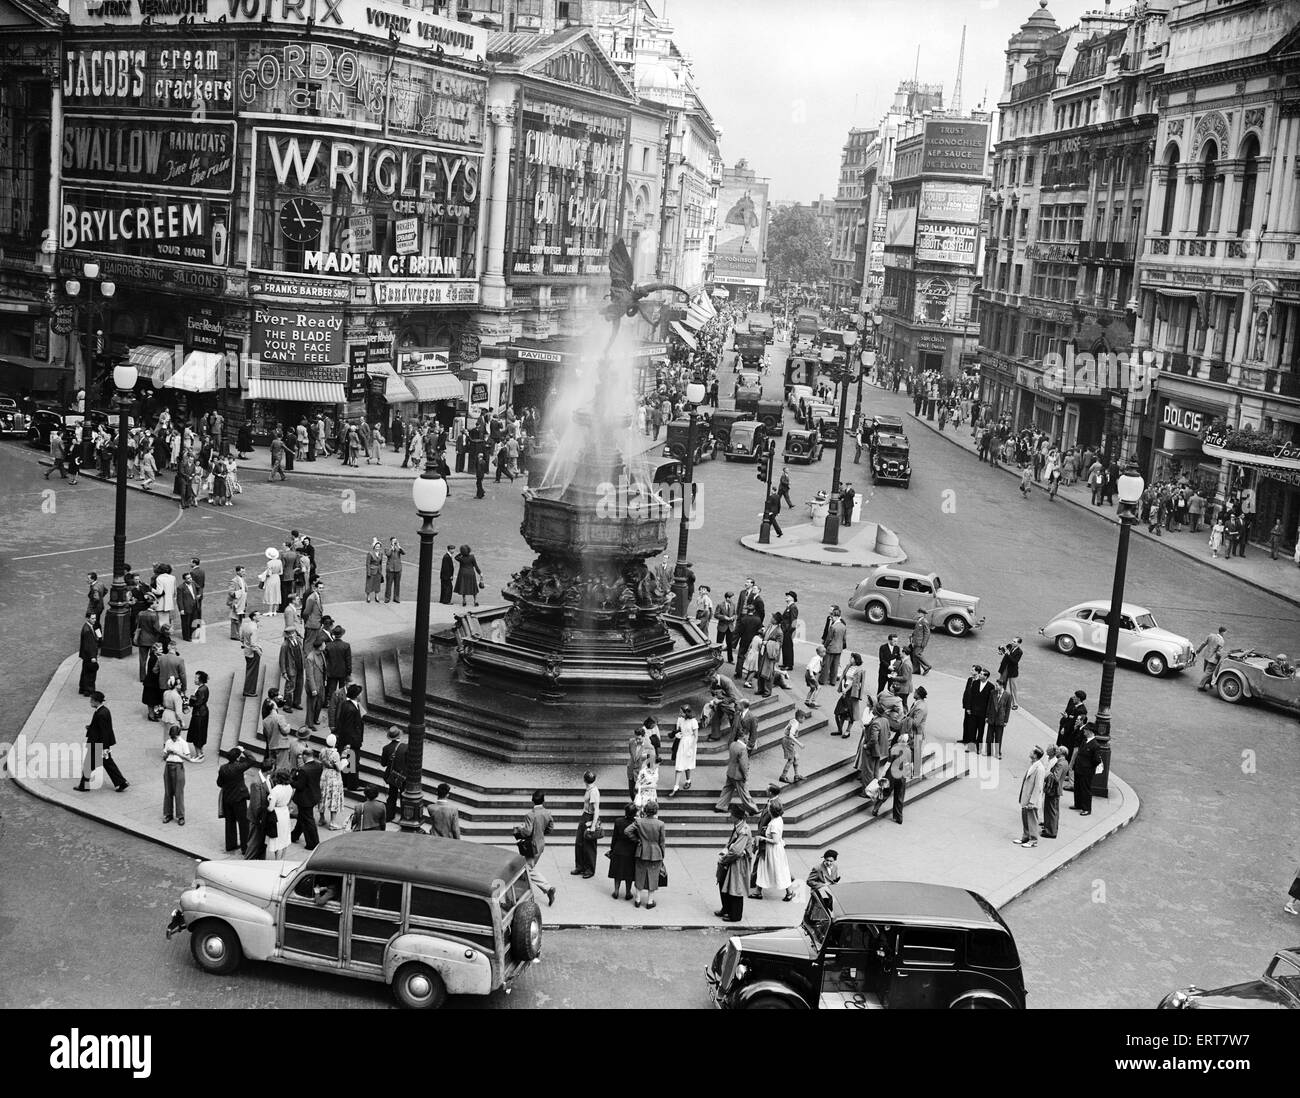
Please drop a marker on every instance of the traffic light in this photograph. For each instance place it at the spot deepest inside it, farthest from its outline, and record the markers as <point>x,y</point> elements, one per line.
<point>764,457</point>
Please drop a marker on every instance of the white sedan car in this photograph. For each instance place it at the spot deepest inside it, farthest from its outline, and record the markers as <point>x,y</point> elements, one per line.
<point>1141,640</point>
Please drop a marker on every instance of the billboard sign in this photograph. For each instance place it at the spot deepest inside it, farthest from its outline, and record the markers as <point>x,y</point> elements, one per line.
<point>405,98</point>
<point>301,336</point>
<point>944,242</point>
<point>742,228</point>
<point>900,228</point>
<point>164,154</point>
<point>567,189</point>
<point>951,201</point>
<point>386,20</point>
<point>172,75</point>
<point>180,228</point>
<point>955,147</point>
<point>362,207</point>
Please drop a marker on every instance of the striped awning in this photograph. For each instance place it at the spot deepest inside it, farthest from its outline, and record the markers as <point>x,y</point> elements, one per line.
<point>442,385</point>
<point>154,363</point>
<point>684,335</point>
<point>305,392</point>
<point>200,373</point>
<point>396,391</point>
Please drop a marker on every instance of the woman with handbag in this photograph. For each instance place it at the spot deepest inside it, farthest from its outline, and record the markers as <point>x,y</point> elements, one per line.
<point>278,825</point>
<point>648,832</point>
<point>622,853</point>
<point>769,656</point>
<point>469,577</point>
<point>685,739</point>
<point>197,734</point>
<point>589,829</point>
<point>271,581</point>
<point>151,693</point>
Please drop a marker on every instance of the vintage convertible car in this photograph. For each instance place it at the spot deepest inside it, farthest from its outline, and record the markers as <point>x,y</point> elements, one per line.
<point>1246,674</point>
<point>1141,640</point>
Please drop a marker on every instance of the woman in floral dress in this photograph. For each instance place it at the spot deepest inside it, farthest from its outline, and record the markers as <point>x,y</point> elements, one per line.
<point>331,785</point>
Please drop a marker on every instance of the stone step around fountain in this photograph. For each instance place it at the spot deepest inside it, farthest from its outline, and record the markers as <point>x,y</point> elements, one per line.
<point>537,736</point>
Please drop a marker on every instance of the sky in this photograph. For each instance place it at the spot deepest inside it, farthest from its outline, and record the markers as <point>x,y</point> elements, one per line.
<point>786,79</point>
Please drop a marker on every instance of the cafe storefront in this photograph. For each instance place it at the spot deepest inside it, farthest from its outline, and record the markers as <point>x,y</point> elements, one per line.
<point>1176,451</point>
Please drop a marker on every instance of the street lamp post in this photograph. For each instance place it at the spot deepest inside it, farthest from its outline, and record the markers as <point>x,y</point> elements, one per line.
<point>107,288</point>
<point>429,491</point>
<point>117,624</point>
<point>831,529</point>
<point>1130,493</point>
<point>694,396</point>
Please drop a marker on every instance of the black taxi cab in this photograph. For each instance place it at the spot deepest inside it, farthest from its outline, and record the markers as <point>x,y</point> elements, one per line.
<point>803,445</point>
<point>427,916</point>
<point>876,945</point>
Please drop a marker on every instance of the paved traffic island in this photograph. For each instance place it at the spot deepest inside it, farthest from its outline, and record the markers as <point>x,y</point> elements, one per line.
<point>862,545</point>
<point>959,824</point>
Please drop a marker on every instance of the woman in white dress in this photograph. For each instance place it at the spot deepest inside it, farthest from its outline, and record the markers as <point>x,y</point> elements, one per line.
<point>773,867</point>
<point>271,581</point>
<point>684,741</point>
<point>278,802</point>
<point>647,783</point>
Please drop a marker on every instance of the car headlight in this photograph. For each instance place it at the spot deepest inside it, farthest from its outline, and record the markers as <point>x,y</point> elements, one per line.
<point>1175,1000</point>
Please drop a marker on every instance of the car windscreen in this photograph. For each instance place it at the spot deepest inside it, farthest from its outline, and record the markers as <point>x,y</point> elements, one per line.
<point>1145,621</point>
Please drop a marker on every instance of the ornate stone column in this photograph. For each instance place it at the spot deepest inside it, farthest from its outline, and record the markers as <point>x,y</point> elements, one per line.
<point>501,115</point>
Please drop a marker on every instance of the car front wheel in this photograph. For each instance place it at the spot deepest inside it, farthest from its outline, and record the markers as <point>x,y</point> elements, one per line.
<point>767,1002</point>
<point>1229,688</point>
<point>1065,644</point>
<point>1154,664</point>
<point>876,613</point>
<point>957,626</point>
<point>418,987</point>
<point>215,947</point>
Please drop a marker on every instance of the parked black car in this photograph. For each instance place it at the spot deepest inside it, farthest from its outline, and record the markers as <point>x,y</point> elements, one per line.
<point>41,422</point>
<point>678,439</point>
<point>802,445</point>
<point>720,423</point>
<point>1277,989</point>
<point>891,460</point>
<point>876,945</point>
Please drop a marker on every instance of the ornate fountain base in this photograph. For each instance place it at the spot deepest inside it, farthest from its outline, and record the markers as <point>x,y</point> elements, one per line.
<point>585,667</point>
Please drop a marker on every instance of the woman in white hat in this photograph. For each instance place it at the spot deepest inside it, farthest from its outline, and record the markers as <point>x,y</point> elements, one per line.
<point>270,578</point>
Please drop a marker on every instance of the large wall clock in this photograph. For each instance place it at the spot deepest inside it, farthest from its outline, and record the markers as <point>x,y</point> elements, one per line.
<point>300,220</point>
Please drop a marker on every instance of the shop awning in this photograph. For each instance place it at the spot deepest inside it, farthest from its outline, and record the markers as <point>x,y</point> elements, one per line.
<point>682,333</point>
<point>442,385</point>
<point>1169,291</point>
<point>199,373</point>
<point>305,392</point>
<point>154,363</point>
<point>396,391</point>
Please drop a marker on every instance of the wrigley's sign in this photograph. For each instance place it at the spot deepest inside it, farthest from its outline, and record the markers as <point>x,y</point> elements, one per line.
<point>373,18</point>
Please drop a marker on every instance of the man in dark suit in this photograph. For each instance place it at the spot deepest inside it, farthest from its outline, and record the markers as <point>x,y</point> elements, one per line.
<point>889,652</point>
<point>313,615</point>
<point>737,779</point>
<point>258,781</point>
<point>349,731</point>
<point>446,575</point>
<point>200,579</point>
<point>751,601</point>
<point>89,653</point>
<point>1009,668</point>
<point>1086,759</point>
<point>749,626</point>
<point>974,704</point>
<point>725,698</point>
<point>745,725</point>
<point>338,662</point>
<point>187,601</point>
<point>99,747</point>
<point>393,760</point>
<point>234,799</point>
<point>725,616</point>
<point>288,581</point>
<point>306,795</point>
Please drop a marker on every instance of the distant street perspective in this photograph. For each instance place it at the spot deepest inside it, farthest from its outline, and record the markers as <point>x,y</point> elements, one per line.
<point>472,542</point>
